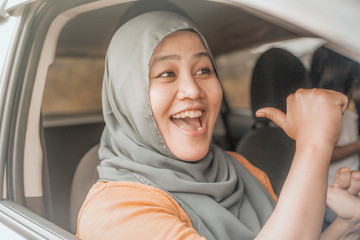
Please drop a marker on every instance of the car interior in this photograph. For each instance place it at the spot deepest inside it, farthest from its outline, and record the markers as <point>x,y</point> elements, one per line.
<point>68,114</point>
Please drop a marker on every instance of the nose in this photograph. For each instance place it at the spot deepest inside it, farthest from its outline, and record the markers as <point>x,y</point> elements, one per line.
<point>189,88</point>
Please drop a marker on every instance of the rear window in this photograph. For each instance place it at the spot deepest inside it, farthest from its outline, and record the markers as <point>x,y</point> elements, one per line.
<point>73,86</point>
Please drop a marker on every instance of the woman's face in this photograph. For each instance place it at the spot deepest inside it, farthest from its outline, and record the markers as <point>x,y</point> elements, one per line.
<point>185,94</point>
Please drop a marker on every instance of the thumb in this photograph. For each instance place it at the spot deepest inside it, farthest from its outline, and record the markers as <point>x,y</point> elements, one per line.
<point>342,100</point>
<point>275,115</point>
<point>341,202</point>
<point>344,103</point>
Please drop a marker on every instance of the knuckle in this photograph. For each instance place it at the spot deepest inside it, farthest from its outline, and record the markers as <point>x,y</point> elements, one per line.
<point>269,115</point>
<point>343,170</point>
<point>355,175</point>
<point>300,92</point>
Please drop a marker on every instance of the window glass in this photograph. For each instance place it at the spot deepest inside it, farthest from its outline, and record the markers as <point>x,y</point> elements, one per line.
<point>73,86</point>
<point>235,71</point>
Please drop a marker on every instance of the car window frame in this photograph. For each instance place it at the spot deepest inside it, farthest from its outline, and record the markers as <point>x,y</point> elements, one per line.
<point>15,219</point>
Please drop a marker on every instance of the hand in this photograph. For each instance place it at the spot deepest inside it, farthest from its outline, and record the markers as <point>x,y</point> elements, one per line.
<point>312,115</point>
<point>344,199</point>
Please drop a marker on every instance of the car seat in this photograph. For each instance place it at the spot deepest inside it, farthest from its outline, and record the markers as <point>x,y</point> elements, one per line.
<point>277,74</point>
<point>85,176</point>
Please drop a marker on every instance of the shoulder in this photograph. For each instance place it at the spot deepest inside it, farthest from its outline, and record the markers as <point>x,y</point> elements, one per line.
<point>120,193</point>
<point>131,210</point>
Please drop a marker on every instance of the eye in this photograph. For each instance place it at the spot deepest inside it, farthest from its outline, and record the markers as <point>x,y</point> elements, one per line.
<point>203,71</point>
<point>167,74</point>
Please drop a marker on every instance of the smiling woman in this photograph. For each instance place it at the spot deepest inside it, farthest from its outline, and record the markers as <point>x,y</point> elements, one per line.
<point>167,161</point>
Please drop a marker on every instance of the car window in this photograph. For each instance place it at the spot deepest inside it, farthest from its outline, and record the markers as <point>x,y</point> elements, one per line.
<point>73,86</point>
<point>235,71</point>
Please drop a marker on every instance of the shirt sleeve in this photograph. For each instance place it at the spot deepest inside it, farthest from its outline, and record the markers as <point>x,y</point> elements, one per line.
<point>124,210</point>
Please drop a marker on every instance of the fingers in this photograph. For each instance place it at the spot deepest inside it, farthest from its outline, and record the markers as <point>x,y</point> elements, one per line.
<point>275,115</point>
<point>312,114</point>
<point>341,99</point>
<point>347,180</point>
<point>342,178</point>
<point>354,188</point>
<point>341,202</point>
<point>343,196</point>
<point>343,102</point>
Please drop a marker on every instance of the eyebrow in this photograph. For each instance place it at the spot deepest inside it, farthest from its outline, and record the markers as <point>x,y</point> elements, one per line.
<point>202,54</point>
<point>177,57</point>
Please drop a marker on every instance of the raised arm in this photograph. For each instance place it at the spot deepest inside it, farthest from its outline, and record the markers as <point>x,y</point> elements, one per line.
<point>313,119</point>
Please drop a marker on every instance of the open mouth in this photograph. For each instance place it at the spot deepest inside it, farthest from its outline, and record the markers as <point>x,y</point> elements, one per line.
<point>188,120</point>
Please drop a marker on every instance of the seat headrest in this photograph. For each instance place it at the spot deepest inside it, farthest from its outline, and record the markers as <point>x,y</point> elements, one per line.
<point>276,75</point>
<point>331,70</point>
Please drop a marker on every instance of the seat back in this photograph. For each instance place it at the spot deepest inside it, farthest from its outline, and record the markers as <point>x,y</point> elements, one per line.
<point>271,150</point>
<point>85,176</point>
<point>277,74</point>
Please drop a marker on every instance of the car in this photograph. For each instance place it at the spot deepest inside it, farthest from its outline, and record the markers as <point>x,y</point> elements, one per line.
<point>51,65</point>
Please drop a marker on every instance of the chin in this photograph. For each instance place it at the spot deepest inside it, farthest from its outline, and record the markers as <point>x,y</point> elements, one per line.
<point>193,156</point>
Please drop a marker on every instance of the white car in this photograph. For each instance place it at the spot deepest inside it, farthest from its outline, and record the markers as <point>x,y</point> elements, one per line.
<point>51,66</point>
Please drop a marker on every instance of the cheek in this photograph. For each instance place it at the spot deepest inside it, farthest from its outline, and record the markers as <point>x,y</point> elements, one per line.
<point>156,98</point>
<point>219,93</point>
<point>160,102</point>
<point>215,93</point>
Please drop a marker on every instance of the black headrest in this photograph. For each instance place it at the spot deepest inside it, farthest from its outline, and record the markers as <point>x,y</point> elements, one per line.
<point>332,70</point>
<point>276,75</point>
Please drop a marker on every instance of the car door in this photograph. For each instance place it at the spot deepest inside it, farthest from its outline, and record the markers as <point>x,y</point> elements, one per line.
<point>16,221</point>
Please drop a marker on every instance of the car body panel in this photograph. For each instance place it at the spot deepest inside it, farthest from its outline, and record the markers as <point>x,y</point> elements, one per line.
<point>17,222</point>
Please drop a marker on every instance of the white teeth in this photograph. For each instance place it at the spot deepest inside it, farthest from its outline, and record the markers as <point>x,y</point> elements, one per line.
<point>190,114</point>
<point>199,128</point>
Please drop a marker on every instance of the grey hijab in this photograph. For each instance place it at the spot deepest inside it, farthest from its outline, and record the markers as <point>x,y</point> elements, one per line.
<point>222,199</point>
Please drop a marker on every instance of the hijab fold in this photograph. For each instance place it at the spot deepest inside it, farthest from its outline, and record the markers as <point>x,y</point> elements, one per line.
<point>222,199</point>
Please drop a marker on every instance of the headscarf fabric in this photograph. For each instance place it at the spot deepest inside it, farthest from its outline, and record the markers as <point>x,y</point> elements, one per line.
<point>222,199</point>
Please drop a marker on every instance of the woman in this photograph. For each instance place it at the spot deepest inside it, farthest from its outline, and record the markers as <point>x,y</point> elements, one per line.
<point>160,176</point>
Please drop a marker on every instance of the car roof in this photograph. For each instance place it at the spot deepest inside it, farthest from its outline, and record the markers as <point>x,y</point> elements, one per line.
<point>335,21</point>
<point>227,28</point>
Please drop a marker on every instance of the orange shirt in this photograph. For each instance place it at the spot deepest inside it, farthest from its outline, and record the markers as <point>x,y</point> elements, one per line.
<point>129,210</point>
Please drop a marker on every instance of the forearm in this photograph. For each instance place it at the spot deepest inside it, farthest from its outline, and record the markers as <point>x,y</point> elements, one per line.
<point>341,152</point>
<point>300,210</point>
